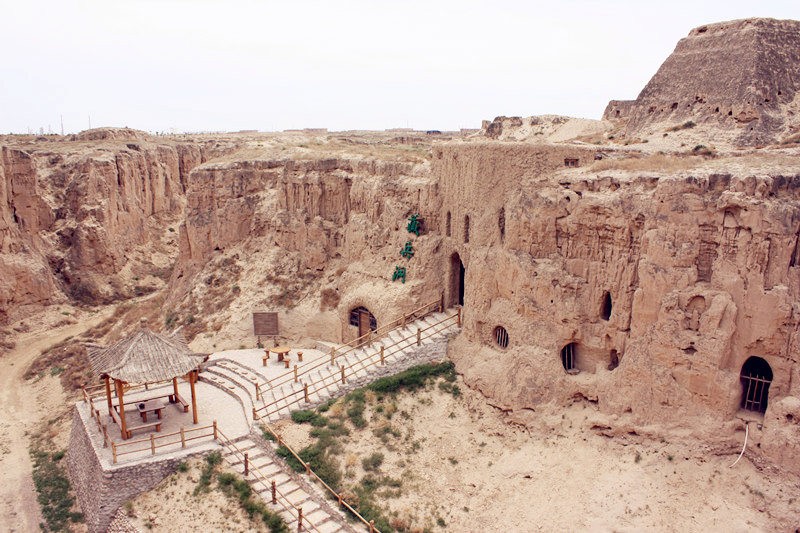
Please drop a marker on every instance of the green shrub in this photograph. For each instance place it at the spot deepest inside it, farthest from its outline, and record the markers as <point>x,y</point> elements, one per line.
<point>183,467</point>
<point>373,462</point>
<point>303,416</point>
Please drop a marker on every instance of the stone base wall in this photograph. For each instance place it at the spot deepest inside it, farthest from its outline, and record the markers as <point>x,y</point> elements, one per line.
<point>102,488</point>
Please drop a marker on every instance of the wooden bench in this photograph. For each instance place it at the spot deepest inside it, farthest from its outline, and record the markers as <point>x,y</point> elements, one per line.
<point>156,424</point>
<point>265,357</point>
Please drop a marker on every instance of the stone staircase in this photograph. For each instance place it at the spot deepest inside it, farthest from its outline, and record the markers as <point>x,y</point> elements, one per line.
<point>264,467</point>
<point>362,367</point>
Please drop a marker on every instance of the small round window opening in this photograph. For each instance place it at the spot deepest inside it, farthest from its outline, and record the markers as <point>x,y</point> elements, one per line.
<point>501,336</point>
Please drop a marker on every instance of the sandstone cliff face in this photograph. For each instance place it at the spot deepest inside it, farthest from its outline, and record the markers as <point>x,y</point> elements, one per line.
<point>701,270</point>
<point>338,224</point>
<point>740,76</point>
<point>72,215</point>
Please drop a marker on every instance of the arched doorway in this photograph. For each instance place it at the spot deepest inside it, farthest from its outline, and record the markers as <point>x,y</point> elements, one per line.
<point>756,377</point>
<point>364,320</point>
<point>457,272</point>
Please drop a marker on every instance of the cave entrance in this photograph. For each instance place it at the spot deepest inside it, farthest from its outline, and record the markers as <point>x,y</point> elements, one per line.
<point>364,320</point>
<point>605,313</point>
<point>756,377</point>
<point>457,274</point>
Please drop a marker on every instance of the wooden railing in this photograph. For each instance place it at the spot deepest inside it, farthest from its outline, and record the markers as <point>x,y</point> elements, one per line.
<point>302,395</point>
<point>155,441</point>
<point>357,343</point>
<point>342,502</point>
<point>277,497</point>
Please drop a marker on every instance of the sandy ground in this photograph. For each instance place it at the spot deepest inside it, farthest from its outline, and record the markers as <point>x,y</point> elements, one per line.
<point>172,506</point>
<point>462,463</point>
<point>25,404</point>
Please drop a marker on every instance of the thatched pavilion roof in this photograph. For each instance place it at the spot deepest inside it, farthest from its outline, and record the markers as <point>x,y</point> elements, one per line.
<point>145,357</point>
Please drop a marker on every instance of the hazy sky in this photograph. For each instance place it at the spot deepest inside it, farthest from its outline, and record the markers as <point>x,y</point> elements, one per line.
<point>229,65</point>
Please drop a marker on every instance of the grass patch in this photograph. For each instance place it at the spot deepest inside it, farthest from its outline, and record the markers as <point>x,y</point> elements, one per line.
<point>413,378</point>
<point>53,489</point>
<point>204,483</point>
<point>233,486</point>
<point>689,124</point>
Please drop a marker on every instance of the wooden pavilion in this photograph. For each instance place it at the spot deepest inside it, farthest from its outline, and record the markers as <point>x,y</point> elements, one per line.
<point>145,358</point>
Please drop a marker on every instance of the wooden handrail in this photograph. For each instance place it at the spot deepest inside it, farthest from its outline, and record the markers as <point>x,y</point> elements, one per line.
<point>305,391</point>
<point>310,472</point>
<point>261,478</point>
<point>152,438</point>
<point>353,345</point>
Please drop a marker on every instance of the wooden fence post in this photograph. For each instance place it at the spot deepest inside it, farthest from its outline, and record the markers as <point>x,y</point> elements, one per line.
<point>114,451</point>
<point>305,391</point>
<point>383,361</point>
<point>372,526</point>
<point>183,438</point>
<point>215,430</point>
<point>295,373</point>
<point>333,354</point>
<point>342,373</point>
<point>441,303</point>
<point>258,392</point>
<point>300,519</point>
<point>274,495</point>
<point>458,320</point>
<point>419,336</point>
<point>404,321</point>
<point>255,414</point>
<point>246,465</point>
<point>152,444</point>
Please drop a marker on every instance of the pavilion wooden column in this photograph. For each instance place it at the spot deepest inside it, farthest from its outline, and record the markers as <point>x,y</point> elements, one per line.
<point>123,424</point>
<point>175,387</point>
<point>192,380</point>
<point>108,396</point>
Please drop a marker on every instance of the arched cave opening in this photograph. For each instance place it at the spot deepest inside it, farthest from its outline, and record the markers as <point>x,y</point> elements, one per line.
<point>364,320</point>
<point>456,282</point>
<point>605,313</point>
<point>569,358</point>
<point>755,377</point>
<point>501,336</point>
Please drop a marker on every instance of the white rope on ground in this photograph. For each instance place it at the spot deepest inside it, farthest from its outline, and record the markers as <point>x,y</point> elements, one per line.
<point>746,431</point>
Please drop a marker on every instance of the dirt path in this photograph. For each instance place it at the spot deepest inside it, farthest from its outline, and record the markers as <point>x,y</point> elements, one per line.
<point>24,404</point>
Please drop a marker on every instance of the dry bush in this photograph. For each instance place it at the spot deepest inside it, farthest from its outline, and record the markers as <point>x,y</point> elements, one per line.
<point>400,524</point>
<point>69,360</point>
<point>654,162</point>
<point>329,299</point>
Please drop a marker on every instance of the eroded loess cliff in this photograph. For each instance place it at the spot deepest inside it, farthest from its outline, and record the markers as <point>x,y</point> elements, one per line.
<point>311,236</point>
<point>644,293</point>
<point>89,220</point>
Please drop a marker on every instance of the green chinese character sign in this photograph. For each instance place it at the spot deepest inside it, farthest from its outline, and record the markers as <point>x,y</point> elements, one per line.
<point>413,224</point>
<point>399,273</point>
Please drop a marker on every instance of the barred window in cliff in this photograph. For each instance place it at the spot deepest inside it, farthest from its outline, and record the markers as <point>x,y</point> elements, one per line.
<point>466,228</point>
<point>569,358</point>
<point>501,336</point>
<point>756,377</point>
<point>447,225</point>
<point>501,223</point>
<point>606,311</point>
<point>569,162</point>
